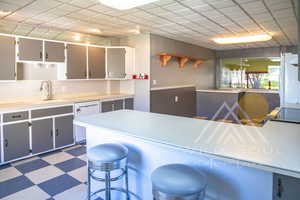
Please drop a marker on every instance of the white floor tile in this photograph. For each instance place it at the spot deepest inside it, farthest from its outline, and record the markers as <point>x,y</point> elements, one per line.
<point>76,193</point>
<point>79,174</point>
<point>83,157</point>
<point>58,157</point>
<point>44,174</point>
<point>9,173</point>
<point>32,193</point>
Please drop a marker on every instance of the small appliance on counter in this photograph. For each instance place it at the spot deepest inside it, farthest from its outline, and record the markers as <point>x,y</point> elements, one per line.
<point>290,115</point>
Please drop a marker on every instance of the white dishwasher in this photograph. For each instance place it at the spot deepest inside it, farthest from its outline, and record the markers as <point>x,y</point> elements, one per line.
<point>84,109</point>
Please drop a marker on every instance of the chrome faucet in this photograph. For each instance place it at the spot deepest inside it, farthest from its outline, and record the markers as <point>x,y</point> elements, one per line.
<point>46,90</point>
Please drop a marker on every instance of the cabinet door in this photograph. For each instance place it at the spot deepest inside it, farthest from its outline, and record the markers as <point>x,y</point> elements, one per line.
<point>42,135</point>
<point>96,62</point>
<point>118,105</point>
<point>64,131</point>
<point>30,50</point>
<point>107,106</point>
<point>129,104</point>
<point>285,187</point>
<point>116,62</point>
<point>55,52</point>
<point>16,140</point>
<point>76,62</point>
<point>7,58</point>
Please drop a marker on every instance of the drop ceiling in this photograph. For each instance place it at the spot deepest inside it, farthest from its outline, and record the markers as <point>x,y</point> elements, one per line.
<point>191,21</point>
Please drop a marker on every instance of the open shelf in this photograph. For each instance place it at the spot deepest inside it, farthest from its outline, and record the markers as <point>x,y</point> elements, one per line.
<point>182,60</point>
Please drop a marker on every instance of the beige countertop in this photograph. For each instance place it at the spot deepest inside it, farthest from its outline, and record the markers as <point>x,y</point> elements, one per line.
<point>28,103</point>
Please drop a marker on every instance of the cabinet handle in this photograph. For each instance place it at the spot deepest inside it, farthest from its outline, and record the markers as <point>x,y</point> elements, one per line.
<point>46,56</point>
<point>90,74</point>
<point>6,142</point>
<point>41,55</point>
<point>16,116</point>
<point>51,133</point>
<point>56,132</point>
<point>279,188</point>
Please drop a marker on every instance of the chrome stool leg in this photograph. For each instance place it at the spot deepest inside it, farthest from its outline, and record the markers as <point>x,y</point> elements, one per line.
<point>89,184</point>
<point>107,186</point>
<point>126,183</point>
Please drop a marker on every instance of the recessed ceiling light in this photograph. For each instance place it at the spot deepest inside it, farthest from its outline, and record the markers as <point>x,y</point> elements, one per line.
<point>243,39</point>
<point>95,30</point>
<point>2,12</point>
<point>77,37</point>
<point>125,4</point>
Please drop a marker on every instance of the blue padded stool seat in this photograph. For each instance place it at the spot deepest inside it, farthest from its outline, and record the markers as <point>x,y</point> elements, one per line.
<point>106,153</point>
<point>178,180</point>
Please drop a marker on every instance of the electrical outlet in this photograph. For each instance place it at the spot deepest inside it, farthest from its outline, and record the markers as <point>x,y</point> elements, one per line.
<point>154,82</point>
<point>176,99</point>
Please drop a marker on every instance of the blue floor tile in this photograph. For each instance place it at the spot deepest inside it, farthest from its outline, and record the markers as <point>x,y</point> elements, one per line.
<point>14,185</point>
<point>77,151</point>
<point>31,166</point>
<point>70,165</point>
<point>59,184</point>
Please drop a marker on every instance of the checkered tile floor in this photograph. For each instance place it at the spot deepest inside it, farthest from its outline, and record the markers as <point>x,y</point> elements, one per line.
<point>59,175</point>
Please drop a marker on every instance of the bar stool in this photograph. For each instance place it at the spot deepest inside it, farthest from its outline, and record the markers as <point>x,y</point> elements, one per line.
<point>107,158</point>
<point>178,182</point>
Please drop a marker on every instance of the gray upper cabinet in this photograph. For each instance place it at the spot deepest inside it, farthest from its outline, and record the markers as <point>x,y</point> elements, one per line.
<point>116,62</point>
<point>42,135</point>
<point>7,58</point>
<point>54,52</point>
<point>64,131</point>
<point>96,62</point>
<point>30,49</point>
<point>76,62</point>
<point>16,141</point>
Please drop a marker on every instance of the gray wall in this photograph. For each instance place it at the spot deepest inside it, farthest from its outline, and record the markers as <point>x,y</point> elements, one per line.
<point>203,77</point>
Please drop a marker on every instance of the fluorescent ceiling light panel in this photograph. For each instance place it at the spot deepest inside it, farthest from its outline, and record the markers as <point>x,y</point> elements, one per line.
<point>125,4</point>
<point>243,39</point>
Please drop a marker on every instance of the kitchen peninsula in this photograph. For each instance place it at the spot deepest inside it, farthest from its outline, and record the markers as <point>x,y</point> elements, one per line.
<point>239,160</point>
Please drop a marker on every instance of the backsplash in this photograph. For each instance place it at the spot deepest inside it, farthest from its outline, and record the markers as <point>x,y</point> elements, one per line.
<point>31,89</point>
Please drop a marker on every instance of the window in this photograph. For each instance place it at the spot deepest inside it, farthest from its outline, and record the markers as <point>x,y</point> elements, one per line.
<point>256,73</point>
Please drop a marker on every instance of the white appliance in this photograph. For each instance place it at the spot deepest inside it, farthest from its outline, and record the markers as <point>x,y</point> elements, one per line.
<point>84,109</point>
<point>290,84</point>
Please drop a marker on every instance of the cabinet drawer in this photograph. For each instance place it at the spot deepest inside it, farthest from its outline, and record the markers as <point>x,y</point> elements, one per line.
<point>51,111</point>
<point>16,116</point>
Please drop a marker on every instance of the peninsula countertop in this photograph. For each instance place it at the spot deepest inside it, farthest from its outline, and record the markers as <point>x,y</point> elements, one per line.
<point>34,102</point>
<point>274,147</point>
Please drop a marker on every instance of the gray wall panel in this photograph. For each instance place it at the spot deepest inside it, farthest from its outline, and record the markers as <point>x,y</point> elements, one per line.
<point>203,77</point>
<point>163,101</point>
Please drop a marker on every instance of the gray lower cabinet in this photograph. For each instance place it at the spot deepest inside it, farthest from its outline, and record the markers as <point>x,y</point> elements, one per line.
<point>76,62</point>
<point>42,135</point>
<point>64,131</point>
<point>108,106</point>
<point>16,140</point>
<point>285,187</point>
<point>129,104</point>
<point>7,58</point>
<point>116,62</point>
<point>55,51</point>
<point>96,62</point>
<point>30,49</point>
